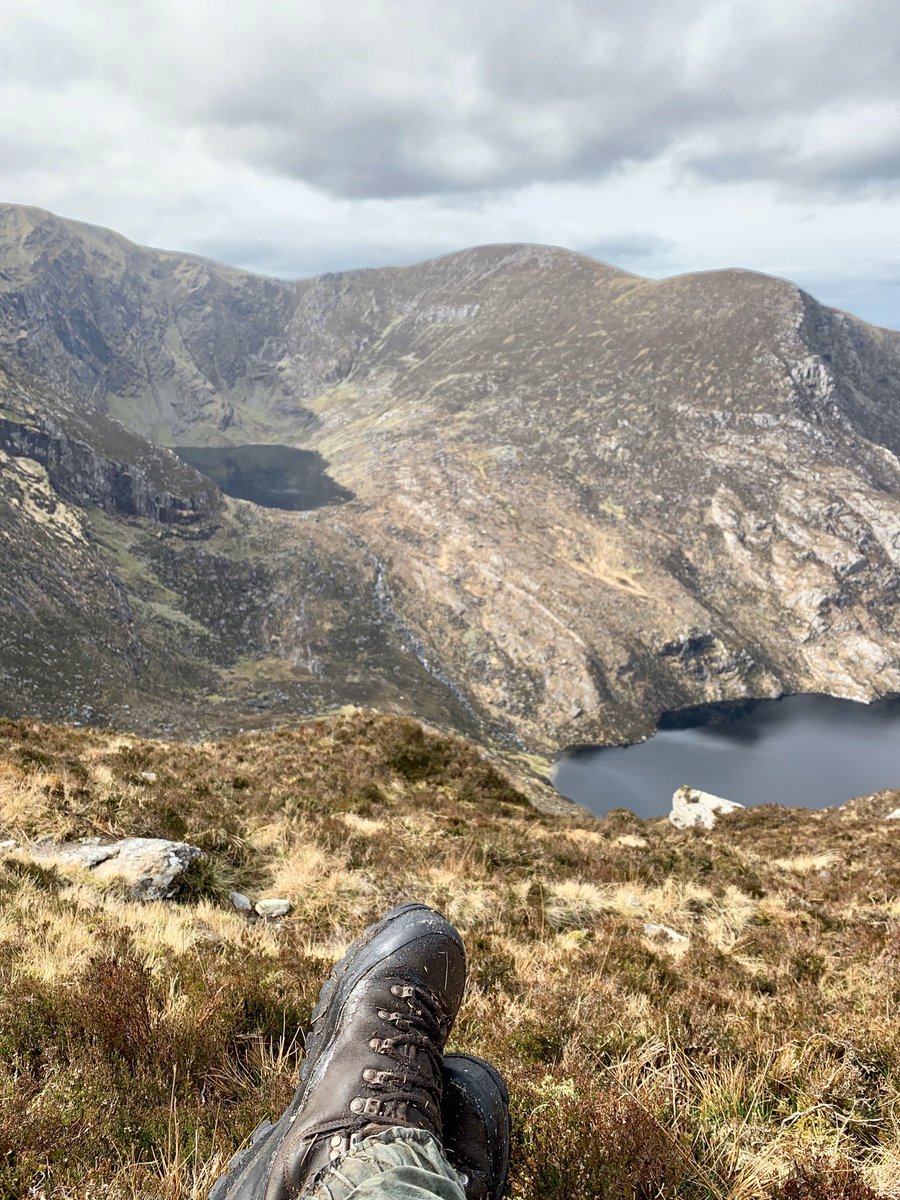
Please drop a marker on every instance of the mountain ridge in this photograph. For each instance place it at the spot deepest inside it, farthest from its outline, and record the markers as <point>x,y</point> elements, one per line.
<point>11,209</point>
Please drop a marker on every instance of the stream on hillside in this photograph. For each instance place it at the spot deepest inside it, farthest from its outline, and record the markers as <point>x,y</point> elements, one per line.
<point>800,750</point>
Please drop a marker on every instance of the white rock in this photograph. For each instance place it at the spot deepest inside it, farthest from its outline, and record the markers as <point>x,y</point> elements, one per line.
<point>273,908</point>
<point>692,807</point>
<point>150,866</point>
<point>666,931</point>
<point>893,816</point>
<point>240,901</point>
<point>634,840</point>
<point>150,776</point>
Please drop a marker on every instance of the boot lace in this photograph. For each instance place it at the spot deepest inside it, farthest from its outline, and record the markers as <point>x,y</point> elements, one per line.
<point>421,1025</point>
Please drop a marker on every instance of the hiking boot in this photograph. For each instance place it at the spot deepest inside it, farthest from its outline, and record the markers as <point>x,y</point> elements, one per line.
<point>476,1125</point>
<point>373,1055</point>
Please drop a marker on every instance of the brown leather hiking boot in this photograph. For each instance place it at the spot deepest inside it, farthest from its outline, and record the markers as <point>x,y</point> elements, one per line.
<point>476,1125</point>
<point>373,1055</point>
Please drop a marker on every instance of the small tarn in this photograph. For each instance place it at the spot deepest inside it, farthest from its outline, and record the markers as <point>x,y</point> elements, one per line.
<point>272,476</point>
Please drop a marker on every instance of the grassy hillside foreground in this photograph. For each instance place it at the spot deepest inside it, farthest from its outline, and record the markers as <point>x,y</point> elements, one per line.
<point>139,1044</point>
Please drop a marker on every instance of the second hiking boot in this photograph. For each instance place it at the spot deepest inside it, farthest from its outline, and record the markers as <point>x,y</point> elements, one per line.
<point>476,1125</point>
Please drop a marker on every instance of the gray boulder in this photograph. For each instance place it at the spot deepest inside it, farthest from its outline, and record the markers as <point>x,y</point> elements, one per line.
<point>692,807</point>
<point>151,867</point>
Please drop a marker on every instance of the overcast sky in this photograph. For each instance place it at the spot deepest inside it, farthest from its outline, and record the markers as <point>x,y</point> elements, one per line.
<point>300,136</point>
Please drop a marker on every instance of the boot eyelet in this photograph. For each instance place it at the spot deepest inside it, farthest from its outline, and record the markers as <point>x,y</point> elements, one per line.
<point>370,1106</point>
<point>370,1075</point>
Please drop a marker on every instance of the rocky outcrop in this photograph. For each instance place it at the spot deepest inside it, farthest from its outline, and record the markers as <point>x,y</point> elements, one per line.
<point>80,474</point>
<point>150,867</point>
<point>692,808</point>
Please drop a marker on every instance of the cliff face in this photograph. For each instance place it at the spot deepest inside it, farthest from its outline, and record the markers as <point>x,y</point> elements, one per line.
<point>581,498</point>
<point>77,472</point>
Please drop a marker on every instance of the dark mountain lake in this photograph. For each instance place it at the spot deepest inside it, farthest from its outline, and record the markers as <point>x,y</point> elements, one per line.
<point>273,476</point>
<point>800,751</point>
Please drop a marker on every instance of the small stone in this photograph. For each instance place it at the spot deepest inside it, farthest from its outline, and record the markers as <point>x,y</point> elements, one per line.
<point>240,901</point>
<point>150,776</point>
<point>666,931</point>
<point>273,908</point>
<point>893,816</point>
<point>9,844</point>
<point>634,840</point>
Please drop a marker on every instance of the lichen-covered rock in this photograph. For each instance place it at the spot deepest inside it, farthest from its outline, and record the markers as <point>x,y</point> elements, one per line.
<point>151,867</point>
<point>241,902</point>
<point>692,807</point>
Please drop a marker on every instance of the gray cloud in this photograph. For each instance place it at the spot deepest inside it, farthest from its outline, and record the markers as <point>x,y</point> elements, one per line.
<point>391,99</point>
<point>505,100</point>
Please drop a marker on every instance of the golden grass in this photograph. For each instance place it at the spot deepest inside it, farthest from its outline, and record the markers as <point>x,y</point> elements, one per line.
<point>139,1044</point>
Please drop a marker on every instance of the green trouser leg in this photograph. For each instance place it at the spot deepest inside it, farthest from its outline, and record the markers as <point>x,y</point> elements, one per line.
<point>400,1164</point>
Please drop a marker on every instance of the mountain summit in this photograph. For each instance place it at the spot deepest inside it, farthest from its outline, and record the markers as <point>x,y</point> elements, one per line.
<point>570,498</point>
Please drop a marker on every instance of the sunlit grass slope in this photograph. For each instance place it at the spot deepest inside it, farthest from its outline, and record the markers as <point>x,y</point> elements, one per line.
<point>140,1044</point>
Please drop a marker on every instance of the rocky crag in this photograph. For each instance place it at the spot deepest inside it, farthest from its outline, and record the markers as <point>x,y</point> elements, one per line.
<point>580,498</point>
